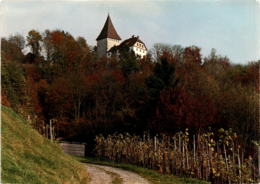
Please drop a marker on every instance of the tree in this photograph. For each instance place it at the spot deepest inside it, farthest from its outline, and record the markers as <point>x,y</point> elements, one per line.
<point>17,40</point>
<point>216,66</point>
<point>85,53</point>
<point>83,44</point>
<point>34,39</point>
<point>62,50</point>
<point>192,55</point>
<point>129,64</point>
<point>14,83</point>
<point>162,78</point>
<point>11,49</point>
<point>47,44</point>
<point>176,51</point>
<point>179,109</point>
<point>78,88</point>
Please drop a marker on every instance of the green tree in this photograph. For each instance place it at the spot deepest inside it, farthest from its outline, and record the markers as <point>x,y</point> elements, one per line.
<point>163,77</point>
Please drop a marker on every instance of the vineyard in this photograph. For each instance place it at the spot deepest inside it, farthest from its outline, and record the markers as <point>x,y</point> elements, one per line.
<point>216,157</point>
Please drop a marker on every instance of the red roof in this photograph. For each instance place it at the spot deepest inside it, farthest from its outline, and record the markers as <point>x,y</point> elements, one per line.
<point>108,31</point>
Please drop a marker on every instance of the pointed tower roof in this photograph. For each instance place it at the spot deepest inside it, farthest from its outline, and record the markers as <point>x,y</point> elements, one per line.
<point>108,31</point>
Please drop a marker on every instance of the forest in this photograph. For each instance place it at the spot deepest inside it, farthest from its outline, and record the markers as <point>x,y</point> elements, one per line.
<point>53,78</point>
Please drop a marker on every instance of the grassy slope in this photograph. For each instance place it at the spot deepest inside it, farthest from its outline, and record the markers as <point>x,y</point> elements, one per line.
<point>29,158</point>
<point>151,175</point>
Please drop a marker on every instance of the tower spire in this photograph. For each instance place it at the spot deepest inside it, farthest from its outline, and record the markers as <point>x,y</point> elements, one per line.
<point>108,30</point>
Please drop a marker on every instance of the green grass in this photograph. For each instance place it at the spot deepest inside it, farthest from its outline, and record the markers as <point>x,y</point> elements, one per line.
<point>151,175</point>
<point>29,158</point>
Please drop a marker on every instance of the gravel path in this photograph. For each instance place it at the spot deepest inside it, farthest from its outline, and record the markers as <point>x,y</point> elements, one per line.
<point>99,175</point>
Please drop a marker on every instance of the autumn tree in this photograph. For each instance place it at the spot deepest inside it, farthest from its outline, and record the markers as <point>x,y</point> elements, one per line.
<point>66,52</point>
<point>34,39</point>
<point>217,66</point>
<point>11,48</point>
<point>192,55</point>
<point>176,51</point>
<point>17,40</point>
<point>83,44</point>
<point>78,88</point>
<point>47,44</point>
<point>173,89</point>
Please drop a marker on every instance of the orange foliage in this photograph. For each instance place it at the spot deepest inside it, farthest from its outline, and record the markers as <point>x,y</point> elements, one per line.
<point>5,101</point>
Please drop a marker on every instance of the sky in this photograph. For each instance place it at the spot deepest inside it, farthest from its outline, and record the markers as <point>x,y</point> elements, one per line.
<point>232,27</point>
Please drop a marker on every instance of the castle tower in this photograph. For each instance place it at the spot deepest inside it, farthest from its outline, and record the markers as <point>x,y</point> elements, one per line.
<point>107,38</point>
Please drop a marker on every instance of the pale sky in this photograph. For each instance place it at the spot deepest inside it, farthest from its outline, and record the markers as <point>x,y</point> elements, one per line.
<point>232,27</point>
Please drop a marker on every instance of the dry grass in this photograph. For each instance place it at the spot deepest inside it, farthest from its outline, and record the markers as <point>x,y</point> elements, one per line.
<point>218,158</point>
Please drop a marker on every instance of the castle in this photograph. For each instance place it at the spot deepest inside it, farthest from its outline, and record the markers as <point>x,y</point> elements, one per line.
<point>109,42</point>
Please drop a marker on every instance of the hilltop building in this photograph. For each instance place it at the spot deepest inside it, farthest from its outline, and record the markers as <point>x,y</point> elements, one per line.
<point>109,42</point>
<point>107,38</point>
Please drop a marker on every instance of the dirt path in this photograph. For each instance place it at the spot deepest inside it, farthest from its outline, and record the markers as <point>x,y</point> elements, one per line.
<point>106,175</point>
<point>98,176</point>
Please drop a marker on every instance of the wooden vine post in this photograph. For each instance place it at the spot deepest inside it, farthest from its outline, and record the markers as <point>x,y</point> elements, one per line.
<point>52,130</point>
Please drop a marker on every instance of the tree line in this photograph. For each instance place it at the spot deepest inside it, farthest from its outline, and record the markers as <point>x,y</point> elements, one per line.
<point>62,80</point>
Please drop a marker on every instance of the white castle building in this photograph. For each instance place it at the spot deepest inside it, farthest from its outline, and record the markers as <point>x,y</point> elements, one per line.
<point>109,42</point>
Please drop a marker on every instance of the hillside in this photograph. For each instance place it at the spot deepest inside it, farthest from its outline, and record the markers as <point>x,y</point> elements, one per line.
<point>29,158</point>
